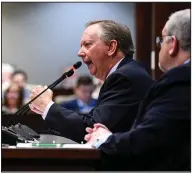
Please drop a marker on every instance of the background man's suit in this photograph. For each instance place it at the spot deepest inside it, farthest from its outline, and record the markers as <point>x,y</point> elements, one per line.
<point>79,106</point>
<point>160,137</point>
<point>117,104</point>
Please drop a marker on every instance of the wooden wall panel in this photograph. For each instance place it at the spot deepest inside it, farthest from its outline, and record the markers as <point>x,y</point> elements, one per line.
<point>143,33</point>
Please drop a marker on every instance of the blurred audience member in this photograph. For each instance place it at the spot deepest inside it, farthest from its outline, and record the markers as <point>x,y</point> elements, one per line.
<point>84,101</point>
<point>13,99</point>
<point>20,77</point>
<point>7,71</point>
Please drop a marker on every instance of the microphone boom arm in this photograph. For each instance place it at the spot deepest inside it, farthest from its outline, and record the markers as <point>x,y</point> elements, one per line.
<point>26,108</point>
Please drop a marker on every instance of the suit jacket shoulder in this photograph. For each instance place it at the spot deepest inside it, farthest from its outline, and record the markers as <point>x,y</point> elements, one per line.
<point>136,75</point>
<point>178,74</point>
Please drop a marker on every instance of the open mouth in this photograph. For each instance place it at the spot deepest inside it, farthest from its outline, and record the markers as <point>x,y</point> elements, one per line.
<point>88,62</point>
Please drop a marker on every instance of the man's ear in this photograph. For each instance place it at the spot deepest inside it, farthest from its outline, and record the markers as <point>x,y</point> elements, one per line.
<point>175,47</point>
<point>112,47</point>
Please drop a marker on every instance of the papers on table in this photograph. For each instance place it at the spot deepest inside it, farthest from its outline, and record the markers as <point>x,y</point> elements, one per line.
<point>42,145</point>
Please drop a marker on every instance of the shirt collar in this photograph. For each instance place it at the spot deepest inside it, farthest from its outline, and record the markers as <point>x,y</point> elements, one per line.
<point>188,60</point>
<point>114,68</point>
<point>81,103</point>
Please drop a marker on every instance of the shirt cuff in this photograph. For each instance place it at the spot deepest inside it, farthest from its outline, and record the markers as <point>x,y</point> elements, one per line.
<point>47,109</point>
<point>102,139</point>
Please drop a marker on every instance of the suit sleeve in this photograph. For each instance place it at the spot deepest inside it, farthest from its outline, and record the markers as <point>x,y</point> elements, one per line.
<point>163,128</point>
<point>118,98</point>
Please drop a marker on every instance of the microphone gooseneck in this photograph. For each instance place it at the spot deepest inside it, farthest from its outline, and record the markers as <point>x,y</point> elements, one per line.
<point>69,73</point>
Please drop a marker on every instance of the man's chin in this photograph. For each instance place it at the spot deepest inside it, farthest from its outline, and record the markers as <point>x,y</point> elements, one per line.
<point>92,72</point>
<point>95,74</point>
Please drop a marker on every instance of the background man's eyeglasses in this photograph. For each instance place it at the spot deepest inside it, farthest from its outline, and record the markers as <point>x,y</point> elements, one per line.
<point>159,40</point>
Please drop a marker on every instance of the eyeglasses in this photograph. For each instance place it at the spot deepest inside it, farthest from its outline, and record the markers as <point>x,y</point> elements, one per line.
<point>159,40</point>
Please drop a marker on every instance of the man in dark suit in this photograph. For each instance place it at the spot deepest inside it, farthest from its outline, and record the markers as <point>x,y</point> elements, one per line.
<point>83,103</point>
<point>161,134</point>
<point>107,49</point>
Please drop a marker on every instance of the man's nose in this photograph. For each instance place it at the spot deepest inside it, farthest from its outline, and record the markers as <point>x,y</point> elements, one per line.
<point>81,53</point>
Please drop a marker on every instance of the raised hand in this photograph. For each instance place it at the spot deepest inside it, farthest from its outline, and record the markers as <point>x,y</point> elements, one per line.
<point>42,101</point>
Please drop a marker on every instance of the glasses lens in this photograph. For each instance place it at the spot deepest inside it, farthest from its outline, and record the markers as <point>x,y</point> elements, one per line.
<point>158,42</point>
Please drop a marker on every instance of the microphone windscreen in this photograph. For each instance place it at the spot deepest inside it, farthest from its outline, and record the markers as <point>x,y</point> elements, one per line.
<point>77,65</point>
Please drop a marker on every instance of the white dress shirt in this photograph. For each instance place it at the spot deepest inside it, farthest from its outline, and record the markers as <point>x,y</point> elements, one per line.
<point>187,61</point>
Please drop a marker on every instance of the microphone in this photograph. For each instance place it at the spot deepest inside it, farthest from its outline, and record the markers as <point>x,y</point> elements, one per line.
<point>77,65</point>
<point>69,73</point>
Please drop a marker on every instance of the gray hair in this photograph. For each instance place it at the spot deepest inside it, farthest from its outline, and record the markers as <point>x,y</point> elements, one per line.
<point>115,31</point>
<point>179,25</point>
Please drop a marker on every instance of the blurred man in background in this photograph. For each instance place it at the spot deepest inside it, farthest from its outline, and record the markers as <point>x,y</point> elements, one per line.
<point>84,102</point>
<point>160,138</point>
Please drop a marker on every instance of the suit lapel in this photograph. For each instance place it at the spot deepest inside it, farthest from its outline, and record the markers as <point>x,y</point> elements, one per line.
<point>122,63</point>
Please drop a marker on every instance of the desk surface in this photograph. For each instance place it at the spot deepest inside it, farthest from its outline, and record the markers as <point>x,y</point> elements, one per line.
<point>49,159</point>
<point>62,153</point>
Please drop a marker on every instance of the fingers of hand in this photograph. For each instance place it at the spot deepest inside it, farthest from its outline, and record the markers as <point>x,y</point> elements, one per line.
<point>34,109</point>
<point>37,89</point>
<point>31,96</point>
<point>31,107</point>
<point>89,130</point>
<point>97,125</point>
<point>50,92</point>
<point>87,137</point>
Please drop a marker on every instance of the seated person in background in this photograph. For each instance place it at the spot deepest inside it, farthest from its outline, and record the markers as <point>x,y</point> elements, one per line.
<point>13,99</point>
<point>84,101</point>
<point>20,77</point>
<point>7,71</point>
